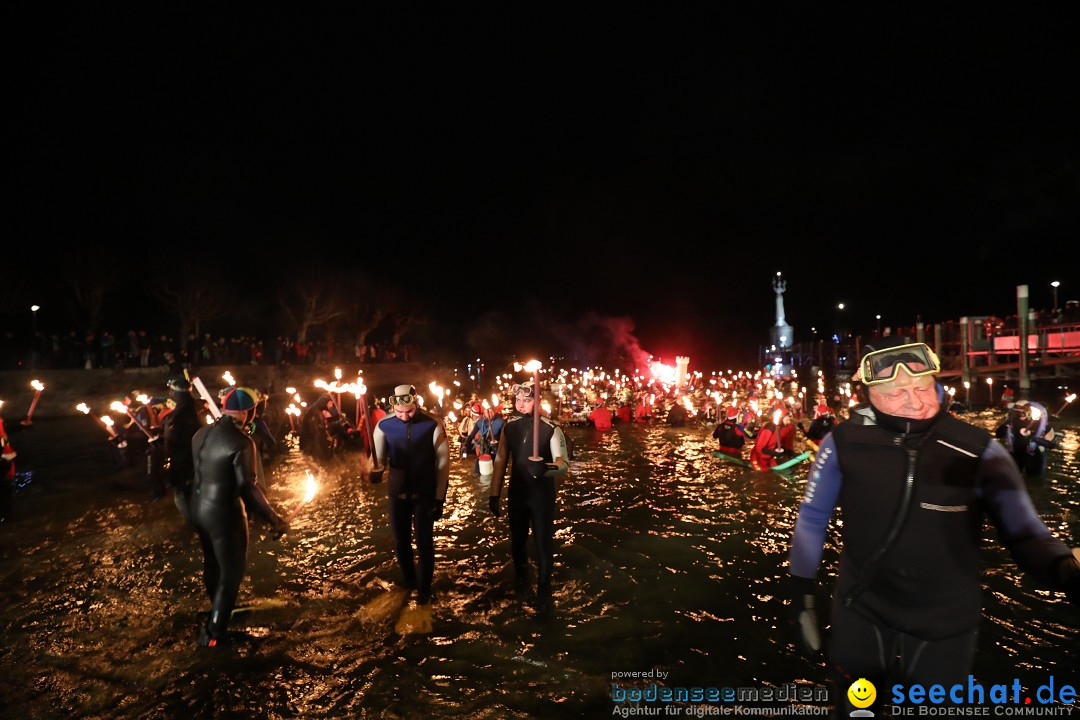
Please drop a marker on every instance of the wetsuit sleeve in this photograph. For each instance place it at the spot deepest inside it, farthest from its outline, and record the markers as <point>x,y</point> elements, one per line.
<point>819,502</point>
<point>442,461</point>
<point>1009,506</point>
<point>558,453</point>
<point>501,459</point>
<point>379,438</point>
<point>247,481</point>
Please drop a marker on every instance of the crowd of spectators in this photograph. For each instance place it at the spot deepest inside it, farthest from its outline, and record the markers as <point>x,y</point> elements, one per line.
<point>143,349</point>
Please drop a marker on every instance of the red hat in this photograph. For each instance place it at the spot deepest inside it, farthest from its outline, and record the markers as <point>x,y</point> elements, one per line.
<point>732,412</point>
<point>822,410</point>
<point>477,408</point>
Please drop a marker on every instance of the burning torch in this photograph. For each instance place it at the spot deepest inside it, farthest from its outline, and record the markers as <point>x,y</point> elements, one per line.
<point>85,410</point>
<point>38,387</point>
<point>120,407</point>
<point>534,366</point>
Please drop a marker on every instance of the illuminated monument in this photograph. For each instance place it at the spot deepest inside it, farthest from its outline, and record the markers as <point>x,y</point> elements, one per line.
<point>782,334</point>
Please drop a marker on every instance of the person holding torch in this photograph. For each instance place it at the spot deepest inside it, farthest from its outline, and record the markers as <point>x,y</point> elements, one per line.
<point>225,490</point>
<point>413,446</point>
<point>180,426</point>
<point>7,466</point>
<point>537,460</point>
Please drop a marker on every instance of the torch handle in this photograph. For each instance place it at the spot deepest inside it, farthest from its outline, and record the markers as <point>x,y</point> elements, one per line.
<point>33,404</point>
<point>370,433</point>
<point>205,395</point>
<point>536,416</point>
<point>141,427</point>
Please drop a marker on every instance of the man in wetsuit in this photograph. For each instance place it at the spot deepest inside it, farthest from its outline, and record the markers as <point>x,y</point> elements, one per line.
<point>180,423</point>
<point>413,445</point>
<point>914,483</point>
<point>531,493</point>
<point>225,490</point>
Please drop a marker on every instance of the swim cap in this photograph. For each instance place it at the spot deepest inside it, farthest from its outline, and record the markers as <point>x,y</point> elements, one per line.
<point>238,400</point>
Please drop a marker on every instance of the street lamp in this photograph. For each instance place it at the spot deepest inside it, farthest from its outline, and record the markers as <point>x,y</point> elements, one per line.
<point>35,308</point>
<point>990,387</point>
<point>879,324</point>
<point>1055,286</point>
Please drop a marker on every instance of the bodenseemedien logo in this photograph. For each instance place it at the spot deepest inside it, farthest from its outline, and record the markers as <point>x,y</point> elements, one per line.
<point>862,694</point>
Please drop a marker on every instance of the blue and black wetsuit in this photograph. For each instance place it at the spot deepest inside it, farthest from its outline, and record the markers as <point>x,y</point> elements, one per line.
<point>413,452</point>
<point>913,496</point>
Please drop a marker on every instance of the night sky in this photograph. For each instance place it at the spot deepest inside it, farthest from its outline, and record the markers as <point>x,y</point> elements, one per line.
<point>654,166</point>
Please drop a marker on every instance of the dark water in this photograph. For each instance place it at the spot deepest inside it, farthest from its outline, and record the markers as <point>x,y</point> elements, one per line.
<point>666,559</point>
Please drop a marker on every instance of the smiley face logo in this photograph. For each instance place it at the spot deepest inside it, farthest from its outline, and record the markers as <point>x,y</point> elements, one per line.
<point>862,693</point>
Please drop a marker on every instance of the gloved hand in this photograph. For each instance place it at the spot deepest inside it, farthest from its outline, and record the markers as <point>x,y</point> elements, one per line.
<point>376,475</point>
<point>281,526</point>
<point>803,616</point>
<point>493,506</point>
<point>436,511</point>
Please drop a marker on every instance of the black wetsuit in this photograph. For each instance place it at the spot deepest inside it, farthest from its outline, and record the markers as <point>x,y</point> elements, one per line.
<point>181,424</point>
<point>530,499</point>
<point>411,486</point>
<point>225,489</point>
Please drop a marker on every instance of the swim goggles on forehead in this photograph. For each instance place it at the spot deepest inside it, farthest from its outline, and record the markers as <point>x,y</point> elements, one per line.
<point>522,391</point>
<point>406,399</point>
<point>881,366</point>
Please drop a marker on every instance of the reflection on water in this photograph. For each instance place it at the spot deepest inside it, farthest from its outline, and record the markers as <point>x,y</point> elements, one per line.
<point>666,558</point>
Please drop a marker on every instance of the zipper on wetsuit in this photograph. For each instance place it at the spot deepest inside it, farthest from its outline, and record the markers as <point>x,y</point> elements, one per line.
<point>894,531</point>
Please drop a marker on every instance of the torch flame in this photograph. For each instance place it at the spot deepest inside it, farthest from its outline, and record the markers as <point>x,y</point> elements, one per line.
<point>337,373</point>
<point>145,400</point>
<point>1035,413</point>
<point>310,487</point>
<point>37,385</point>
<point>107,420</point>
<point>227,377</point>
<point>1070,398</point>
<point>83,408</point>
<point>533,365</point>
<point>118,406</point>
